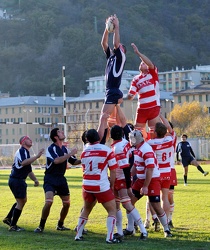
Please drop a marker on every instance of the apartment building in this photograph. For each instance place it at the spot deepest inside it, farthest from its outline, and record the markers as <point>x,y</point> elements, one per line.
<point>29,115</point>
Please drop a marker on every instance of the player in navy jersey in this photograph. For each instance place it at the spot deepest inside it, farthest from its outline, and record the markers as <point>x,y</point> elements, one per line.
<point>21,169</point>
<point>113,72</point>
<point>188,157</point>
<point>55,182</point>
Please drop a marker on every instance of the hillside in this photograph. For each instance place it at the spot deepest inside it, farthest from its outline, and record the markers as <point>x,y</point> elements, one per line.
<point>39,37</point>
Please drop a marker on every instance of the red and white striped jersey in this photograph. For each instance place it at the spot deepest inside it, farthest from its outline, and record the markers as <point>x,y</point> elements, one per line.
<point>144,158</point>
<point>163,148</point>
<point>147,87</point>
<point>96,159</point>
<point>121,151</point>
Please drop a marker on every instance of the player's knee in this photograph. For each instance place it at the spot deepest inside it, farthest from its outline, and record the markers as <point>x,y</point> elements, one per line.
<point>66,203</point>
<point>48,202</point>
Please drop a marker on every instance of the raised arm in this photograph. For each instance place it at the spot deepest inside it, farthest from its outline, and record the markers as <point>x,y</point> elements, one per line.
<point>116,36</point>
<point>144,58</point>
<point>105,39</point>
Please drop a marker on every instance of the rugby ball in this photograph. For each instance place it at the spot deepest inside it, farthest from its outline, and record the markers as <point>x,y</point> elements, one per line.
<point>109,25</point>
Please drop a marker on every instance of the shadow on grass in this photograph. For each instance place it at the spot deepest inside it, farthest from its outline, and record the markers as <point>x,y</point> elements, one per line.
<point>52,239</point>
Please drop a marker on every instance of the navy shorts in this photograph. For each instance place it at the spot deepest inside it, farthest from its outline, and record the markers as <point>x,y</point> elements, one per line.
<point>112,96</point>
<point>57,184</point>
<point>187,161</point>
<point>18,187</point>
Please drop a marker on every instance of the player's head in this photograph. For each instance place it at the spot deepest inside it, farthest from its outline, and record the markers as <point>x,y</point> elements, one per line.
<point>53,133</point>
<point>143,67</point>
<point>116,132</point>
<point>92,136</point>
<point>135,137</point>
<point>25,140</point>
<point>184,137</point>
<point>160,129</point>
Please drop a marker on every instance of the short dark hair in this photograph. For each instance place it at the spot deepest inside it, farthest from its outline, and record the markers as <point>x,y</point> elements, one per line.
<point>53,133</point>
<point>116,132</point>
<point>92,136</point>
<point>184,135</point>
<point>160,129</point>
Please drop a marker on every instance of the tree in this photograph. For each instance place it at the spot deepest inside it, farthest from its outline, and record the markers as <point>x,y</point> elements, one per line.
<point>191,118</point>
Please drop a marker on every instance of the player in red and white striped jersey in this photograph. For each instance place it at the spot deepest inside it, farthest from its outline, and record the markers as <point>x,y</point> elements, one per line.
<point>162,145</point>
<point>96,160</point>
<point>148,176</point>
<point>146,84</point>
<point>121,148</point>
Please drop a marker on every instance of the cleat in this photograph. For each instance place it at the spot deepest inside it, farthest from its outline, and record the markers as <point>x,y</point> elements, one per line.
<point>185,184</point>
<point>113,241</point>
<point>167,233</point>
<point>156,225</point>
<point>170,224</point>
<point>15,229</point>
<point>127,232</point>
<point>118,236</point>
<point>147,224</point>
<point>83,232</point>
<point>79,238</point>
<point>7,221</point>
<point>62,228</point>
<point>38,230</point>
<point>205,173</point>
<point>143,236</point>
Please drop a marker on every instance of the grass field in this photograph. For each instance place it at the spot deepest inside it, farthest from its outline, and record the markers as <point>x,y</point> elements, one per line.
<point>191,218</point>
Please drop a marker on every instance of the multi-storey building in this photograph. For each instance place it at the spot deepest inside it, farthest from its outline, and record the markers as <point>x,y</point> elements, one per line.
<point>30,115</point>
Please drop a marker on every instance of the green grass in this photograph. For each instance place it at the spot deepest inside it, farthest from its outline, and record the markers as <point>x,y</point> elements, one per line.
<point>191,218</point>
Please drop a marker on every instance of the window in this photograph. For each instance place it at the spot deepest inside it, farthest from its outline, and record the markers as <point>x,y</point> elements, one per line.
<point>90,105</point>
<point>179,99</point>
<point>200,98</point>
<point>6,111</point>
<point>97,105</point>
<point>84,105</point>
<point>177,85</point>
<point>187,98</point>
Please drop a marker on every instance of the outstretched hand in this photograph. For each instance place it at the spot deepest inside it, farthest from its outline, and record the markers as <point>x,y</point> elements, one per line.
<point>135,49</point>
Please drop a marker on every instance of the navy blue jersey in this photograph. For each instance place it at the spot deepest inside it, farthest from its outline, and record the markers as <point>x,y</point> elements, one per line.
<point>114,68</point>
<point>18,171</point>
<point>54,151</point>
<point>185,149</point>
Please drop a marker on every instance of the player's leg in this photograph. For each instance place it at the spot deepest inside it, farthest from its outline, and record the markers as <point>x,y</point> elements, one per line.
<point>8,218</point>
<point>185,170</point>
<point>87,208</point>
<point>153,117</point>
<point>195,163</point>
<point>18,188</point>
<point>171,201</point>
<point>165,201</point>
<point>64,211</point>
<point>106,111</point>
<point>49,196</point>
<point>110,207</point>
<point>161,215</point>
<point>126,203</point>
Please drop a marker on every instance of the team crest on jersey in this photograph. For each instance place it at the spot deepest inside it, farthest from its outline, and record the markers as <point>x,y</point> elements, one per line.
<point>87,153</point>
